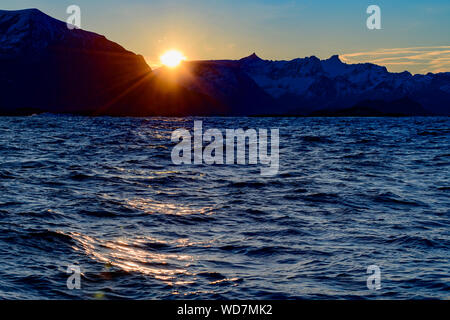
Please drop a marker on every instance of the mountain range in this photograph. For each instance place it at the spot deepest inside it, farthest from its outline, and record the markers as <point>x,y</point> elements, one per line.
<point>45,67</point>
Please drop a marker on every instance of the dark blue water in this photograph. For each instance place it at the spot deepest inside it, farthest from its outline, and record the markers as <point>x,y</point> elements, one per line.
<point>103,194</point>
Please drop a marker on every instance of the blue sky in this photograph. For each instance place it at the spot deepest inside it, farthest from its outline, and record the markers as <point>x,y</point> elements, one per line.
<point>414,36</point>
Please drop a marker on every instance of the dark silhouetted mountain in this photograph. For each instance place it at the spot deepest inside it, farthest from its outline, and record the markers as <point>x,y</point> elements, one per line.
<point>233,91</point>
<point>45,67</point>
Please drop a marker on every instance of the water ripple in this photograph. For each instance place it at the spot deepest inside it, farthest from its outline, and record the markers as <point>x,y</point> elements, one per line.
<point>102,193</point>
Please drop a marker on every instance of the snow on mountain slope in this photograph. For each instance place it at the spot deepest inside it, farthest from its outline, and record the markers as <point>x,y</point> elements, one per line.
<point>46,66</point>
<point>30,31</point>
<point>296,76</point>
<point>312,84</point>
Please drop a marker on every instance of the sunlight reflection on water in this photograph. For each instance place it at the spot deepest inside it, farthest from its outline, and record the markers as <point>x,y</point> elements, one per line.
<point>126,255</point>
<point>151,206</point>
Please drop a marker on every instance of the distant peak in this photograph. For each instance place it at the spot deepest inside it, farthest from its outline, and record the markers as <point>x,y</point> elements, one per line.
<point>252,57</point>
<point>335,58</point>
<point>34,10</point>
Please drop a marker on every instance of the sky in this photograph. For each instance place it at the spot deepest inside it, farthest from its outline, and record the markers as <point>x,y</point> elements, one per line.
<point>414,34</point>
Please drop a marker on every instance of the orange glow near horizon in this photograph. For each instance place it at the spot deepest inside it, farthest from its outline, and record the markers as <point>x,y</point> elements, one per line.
<point>172,58</point>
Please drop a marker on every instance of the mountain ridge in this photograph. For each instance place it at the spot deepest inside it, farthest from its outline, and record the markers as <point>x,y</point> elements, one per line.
<point>30,31</point>
<point>305,85</point>
<point>45,67</point>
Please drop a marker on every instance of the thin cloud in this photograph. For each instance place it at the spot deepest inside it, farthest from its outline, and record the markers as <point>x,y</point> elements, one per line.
<point>414,59</point>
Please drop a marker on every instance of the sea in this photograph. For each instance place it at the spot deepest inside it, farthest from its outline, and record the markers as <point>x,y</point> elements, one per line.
<point>95,208</point>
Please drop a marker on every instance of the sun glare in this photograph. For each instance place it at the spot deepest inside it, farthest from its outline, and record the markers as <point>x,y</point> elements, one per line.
<point>172,58</point>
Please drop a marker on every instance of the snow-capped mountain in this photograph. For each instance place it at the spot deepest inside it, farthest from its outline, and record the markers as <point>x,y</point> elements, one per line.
<point>32,32</point>
<point>309,84</point>
<point>45,66</point>
<point>280,78</point>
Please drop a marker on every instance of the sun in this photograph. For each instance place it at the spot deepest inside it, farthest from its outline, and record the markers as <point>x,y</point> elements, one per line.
<point>172,58</point>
